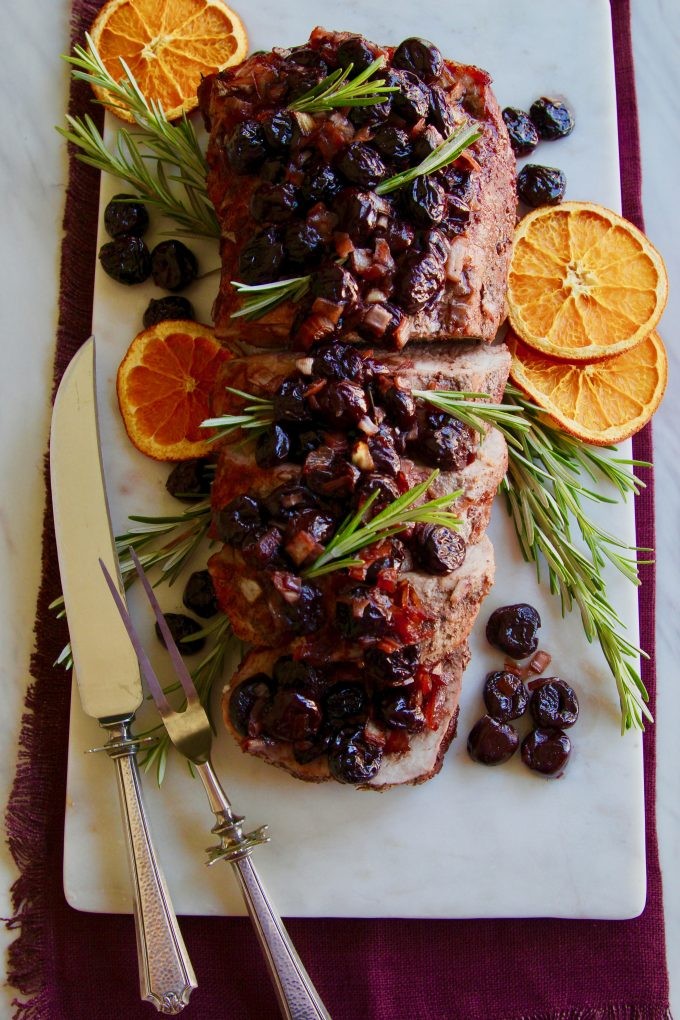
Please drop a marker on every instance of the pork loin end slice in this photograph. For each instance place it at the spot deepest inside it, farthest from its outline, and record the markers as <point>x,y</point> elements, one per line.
<point>421,762</point>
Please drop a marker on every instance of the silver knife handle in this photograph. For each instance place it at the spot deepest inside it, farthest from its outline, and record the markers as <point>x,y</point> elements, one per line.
<point>166,977</point>
<point>298,999</point>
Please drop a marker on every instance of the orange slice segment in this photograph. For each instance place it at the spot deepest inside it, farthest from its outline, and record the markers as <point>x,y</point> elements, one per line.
<point>584,283</point>
<point>168,46</point>
<point>164,386</point>
<point>601,402</point>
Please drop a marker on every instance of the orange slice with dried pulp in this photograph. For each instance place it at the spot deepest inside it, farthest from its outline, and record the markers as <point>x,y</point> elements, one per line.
<point>601,402</point>
<point>164,386</point>
<point>584,283</point>
<point>168,45</point>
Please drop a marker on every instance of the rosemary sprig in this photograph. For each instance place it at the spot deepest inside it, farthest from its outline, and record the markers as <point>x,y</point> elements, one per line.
<point>445,153</point>
<point>354,535</point>
<point>204,676</point>
<point>255,417</point>
<point>544,494</point>
<point>183,535</point>
<point>163,162</point>
<point>338,90</point>
<point>263,297</point>
<point>478,415</point>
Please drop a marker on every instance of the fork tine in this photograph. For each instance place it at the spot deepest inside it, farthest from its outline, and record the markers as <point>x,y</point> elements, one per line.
<point>145,665</point>
<point>180,669</point>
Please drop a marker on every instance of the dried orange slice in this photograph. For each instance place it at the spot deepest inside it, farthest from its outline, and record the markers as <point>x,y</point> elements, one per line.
<point>600,402</point>
<point>584,283</point>
<point>164,384</point>
<point>168,45</point>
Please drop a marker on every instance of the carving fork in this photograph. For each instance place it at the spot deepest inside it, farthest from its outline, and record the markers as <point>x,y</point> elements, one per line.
<point>190,732</point>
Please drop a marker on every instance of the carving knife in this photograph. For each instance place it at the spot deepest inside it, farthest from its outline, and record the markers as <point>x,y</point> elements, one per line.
<point>106,668</point>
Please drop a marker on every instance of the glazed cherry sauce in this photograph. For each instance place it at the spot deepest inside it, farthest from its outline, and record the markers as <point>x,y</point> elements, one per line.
<point>347,423</point>
<point>313,184</point>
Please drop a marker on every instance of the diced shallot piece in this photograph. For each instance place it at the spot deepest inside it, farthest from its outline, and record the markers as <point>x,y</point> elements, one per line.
<point>377,318</point>
<point>343,245</point>
<point>305,365</point>
<point>539,662</point>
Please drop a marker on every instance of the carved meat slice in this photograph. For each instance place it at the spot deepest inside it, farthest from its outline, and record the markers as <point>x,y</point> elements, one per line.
<point>356,673</point>
<point>422,760</point>
<point>295,196</point>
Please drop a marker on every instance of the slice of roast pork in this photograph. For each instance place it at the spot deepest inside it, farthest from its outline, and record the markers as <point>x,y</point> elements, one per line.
<point>422,759</point>
<point>295,196</point>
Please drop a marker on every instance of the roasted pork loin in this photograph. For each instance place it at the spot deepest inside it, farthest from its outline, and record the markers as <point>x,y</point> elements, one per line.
<point>295,197</point>
<point>355,675</point>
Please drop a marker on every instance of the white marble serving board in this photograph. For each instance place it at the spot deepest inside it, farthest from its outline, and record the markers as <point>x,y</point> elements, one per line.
<point>473,842</point>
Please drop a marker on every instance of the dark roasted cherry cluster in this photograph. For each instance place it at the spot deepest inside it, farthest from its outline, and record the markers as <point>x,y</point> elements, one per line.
<point>353,712</point>
<point>547,119</point>
<point>552,702</point>
<point>315,201</point>
<point>127,259</point>
<point>346,422</point>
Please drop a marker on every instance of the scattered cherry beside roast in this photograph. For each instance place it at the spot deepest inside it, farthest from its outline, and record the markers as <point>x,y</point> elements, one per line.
<point>492,742</point>
<point>505,696</point>
<point>181,628</point>
<point>546,751</point>
<point>553,704</point>
<point>514,630</point>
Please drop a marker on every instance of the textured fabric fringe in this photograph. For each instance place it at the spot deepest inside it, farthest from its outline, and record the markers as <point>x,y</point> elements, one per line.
<point>606,1013</point>
<point>37,781</point>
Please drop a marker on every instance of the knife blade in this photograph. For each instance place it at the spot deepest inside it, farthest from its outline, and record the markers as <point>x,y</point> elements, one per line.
<point>106,668</point>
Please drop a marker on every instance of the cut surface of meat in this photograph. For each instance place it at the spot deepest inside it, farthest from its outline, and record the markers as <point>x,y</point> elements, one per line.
<point>355,675</point>
<point>295,195</point>
<point>421,761</point>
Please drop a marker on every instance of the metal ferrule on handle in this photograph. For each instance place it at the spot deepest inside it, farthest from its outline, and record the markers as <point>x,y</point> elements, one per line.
<point>297,997</point>
<point>166,977</point>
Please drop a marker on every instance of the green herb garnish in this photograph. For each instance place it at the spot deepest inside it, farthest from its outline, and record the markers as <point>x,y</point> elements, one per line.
<point>354,535</point>
<point>255,417</point>
<point>182,534</point>
<point>163,162</point>
<point>478,415</point>
<point>338,90</point>
<point>263,297</point>
<point>449,150</point>
<point>544,492</point>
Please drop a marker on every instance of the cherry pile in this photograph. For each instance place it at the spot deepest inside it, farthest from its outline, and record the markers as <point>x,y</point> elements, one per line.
<point>550,701</point>
<point>548,119</point>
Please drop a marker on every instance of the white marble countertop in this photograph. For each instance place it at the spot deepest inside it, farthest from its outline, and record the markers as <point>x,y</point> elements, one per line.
<point>32,177</point>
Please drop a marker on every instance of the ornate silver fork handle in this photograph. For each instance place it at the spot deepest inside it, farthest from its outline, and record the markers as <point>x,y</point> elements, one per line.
<point>297,997</point>
<point>166,977</point>
<point>191,734</point>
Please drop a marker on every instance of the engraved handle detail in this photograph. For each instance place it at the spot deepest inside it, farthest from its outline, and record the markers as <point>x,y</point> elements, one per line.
<point>166,977</point>
<point>297,996</point>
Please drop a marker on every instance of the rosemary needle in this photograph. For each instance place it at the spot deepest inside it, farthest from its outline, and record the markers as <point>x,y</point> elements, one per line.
<point>355,533</point>
<point>339,89</point>
<point>447,152</point>
<point>164,162</point>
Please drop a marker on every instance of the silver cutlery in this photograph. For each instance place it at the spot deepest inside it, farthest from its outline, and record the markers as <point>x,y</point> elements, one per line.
<point>190,732</point>
<point>106,668</point>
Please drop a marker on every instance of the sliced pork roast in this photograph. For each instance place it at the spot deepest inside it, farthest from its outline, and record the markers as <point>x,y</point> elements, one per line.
<point>403,755</point>
<point>295,196</point>
<point>365,662</point>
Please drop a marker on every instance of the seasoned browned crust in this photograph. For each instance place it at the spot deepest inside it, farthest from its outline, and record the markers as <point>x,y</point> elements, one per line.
<point>421,762</point>
<point>469,367</point>
<point>472,301</point>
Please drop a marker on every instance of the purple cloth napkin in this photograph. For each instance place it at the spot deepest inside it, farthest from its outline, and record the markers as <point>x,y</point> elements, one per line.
<point>69,965</point>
